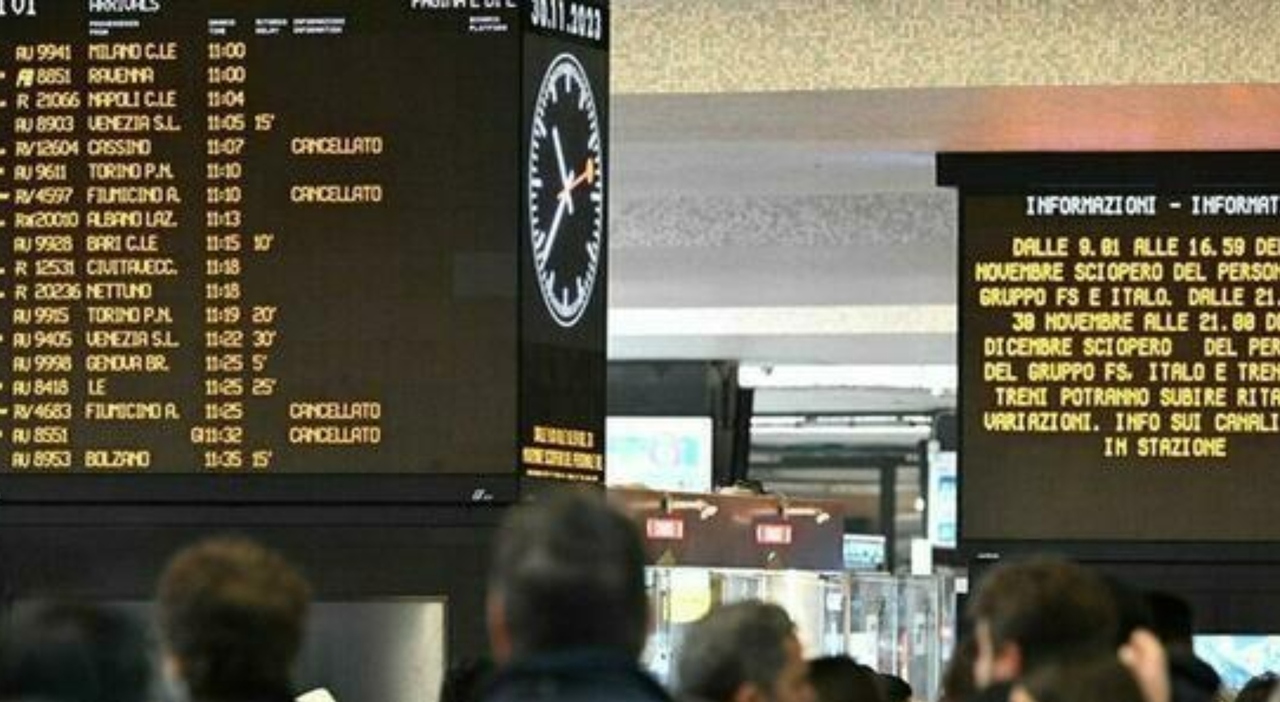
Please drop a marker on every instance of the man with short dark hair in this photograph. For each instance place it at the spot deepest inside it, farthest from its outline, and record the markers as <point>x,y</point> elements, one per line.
<point>1261,688</point>
<point>842,679</point>
<point>567,609</point>
<point>232,618</point>
<point>1102,679</point>
<point>744,652</point>
<point>1039,612</point>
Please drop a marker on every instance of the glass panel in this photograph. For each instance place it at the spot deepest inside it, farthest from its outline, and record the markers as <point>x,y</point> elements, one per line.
<point>370,651</point>
<point>817,602</point>
<point>874,621</point>
<point>898,625</point>
<point>921,636</point>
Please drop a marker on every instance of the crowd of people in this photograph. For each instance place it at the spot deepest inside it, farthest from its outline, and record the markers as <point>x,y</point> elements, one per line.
<point>568,618</point>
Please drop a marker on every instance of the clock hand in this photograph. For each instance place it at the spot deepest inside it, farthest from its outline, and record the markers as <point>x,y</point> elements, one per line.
<point>588,177</point>
<point>553,230</point>
<point>565,174</point>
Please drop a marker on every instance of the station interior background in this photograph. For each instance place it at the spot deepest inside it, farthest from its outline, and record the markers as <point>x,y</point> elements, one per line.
<point>775,225</point>
<point>774,197</point>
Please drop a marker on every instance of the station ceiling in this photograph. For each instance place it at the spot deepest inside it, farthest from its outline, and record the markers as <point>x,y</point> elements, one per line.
<point>773,178</point>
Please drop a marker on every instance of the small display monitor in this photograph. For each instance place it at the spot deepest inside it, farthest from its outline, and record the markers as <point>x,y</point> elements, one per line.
<point>864,552</point>
<point>942,499</point>
<point>659,453</point>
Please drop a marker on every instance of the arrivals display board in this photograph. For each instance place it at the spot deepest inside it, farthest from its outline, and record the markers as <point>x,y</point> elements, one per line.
<point>1119,346</point>
<point>301,249</point>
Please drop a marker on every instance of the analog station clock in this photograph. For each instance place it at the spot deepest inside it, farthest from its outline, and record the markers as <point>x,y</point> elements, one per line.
<point>566,190</point>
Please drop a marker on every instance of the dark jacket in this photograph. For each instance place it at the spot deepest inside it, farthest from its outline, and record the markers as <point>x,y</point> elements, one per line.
<point>999,692</point>
<point>1192,679</point>
<point>579,676</point>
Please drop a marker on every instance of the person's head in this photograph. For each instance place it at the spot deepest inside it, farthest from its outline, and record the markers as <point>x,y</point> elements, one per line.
<point>895,688</point>
<point>1038,612</point>
<point>64,652</point>
<point>1258,689</point>
<point>232,616</point>
<point>957,678</point>
<point>1093,680</point>
<point>842,679</point>
<point>744,652</point>
<point>568,573</point>
<point>1136,641</point>
<point>1172,618</point>
<point>1132,612</point>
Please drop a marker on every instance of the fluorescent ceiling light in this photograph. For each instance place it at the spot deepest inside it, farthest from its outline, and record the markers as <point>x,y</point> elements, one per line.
<point>921,432</point>
<point>938,379</point>
<point>836,320</point>
<point>841,420</point>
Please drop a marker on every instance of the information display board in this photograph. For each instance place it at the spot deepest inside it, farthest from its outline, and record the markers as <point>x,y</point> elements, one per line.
<point>300,238</point>
<point>1119,346</point>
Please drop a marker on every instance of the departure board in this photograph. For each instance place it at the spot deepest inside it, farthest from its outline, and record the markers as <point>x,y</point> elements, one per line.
<point>291,237</point>
<point>1120,348</point>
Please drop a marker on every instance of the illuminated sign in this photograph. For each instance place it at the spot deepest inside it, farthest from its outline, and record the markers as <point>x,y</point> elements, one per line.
<point>773,534</point>
<point>664,529</point>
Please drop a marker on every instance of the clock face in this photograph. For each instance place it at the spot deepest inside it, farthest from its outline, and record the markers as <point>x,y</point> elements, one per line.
<point>566,190</point>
